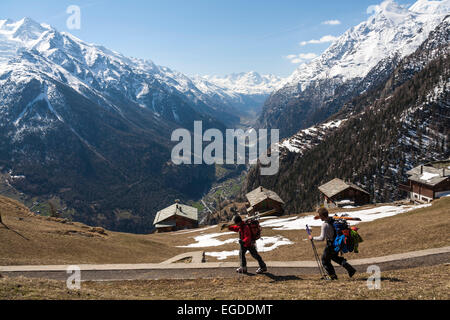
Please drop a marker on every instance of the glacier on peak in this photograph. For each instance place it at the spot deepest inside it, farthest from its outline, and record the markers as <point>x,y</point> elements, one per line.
<point>391,30</point>
<point>245,82</point>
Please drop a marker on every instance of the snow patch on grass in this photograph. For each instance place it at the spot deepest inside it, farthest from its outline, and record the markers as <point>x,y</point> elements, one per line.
<point>366,215</point>
<point>264,244</point>
<point>209,240</point>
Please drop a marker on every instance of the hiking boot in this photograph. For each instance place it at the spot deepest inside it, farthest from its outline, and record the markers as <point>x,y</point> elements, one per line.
<point>332,277</point>
<point>261,270</point>
<point>241,270</point>
<point>351,271</point>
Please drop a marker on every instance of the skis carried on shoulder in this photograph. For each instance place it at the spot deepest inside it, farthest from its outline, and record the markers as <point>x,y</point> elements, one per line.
<point>346,218</point>
<point>322,271</point>
<point>256,217</point>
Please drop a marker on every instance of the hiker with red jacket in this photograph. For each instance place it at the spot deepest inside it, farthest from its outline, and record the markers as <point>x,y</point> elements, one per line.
<point>328,233</point>
<point>246,244</point>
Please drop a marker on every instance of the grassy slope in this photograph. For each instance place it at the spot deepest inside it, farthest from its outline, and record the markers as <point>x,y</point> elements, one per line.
<point>51,242</point>
<point>418,283</point>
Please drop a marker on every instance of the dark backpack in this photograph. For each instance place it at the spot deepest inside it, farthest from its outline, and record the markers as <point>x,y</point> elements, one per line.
<point>343,240</point>
<point>255,229</point>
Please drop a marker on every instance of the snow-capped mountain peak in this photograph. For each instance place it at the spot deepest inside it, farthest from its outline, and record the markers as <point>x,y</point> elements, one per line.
<point>356,62</point>
<point>391,30</point>
<point>83,65</point>
<point>245,91</point>
<point>18,34</point>
<point>28,30</point>
<point>246,82</point>
<point>24,30</point>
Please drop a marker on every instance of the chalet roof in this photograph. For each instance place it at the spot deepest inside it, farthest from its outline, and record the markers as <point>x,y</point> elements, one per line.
<point>335,186</point>
<point>260,194</point>
<point>429,175</point>
<point>178,209</point>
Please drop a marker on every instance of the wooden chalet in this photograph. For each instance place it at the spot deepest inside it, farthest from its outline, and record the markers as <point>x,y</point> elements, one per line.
<point>176,217</point>
<point>263,200</point>
<point>340,193</point>
<point>428,182</point>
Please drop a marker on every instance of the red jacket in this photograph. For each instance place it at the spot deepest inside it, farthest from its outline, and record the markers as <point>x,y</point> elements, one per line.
<point>245,234</point>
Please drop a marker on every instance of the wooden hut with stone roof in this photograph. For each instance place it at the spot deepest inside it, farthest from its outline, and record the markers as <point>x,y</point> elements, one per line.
<point>428,182</point>
<point>263,200</point>
<point>340,193</point>
<point>176,217</point>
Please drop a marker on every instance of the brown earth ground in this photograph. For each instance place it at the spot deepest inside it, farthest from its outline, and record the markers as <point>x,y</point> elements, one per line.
<point>39,240</point>
<point>426,283</point>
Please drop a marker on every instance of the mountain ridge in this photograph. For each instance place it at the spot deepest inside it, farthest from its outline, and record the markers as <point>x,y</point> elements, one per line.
<point>315,90</point>
<point>105,69</point>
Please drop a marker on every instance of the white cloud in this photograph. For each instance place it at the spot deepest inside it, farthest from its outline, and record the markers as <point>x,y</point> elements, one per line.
<point>324,39</point>
<point>373,9</point>
<point>301,58</point>
<point>332,22</point>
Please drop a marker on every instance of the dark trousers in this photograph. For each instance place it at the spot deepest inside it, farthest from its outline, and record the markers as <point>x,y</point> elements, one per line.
<point>330,255</point>
<point>254,254</point>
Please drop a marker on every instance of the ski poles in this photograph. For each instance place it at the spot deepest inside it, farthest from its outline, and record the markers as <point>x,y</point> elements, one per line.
<point>322,271</point>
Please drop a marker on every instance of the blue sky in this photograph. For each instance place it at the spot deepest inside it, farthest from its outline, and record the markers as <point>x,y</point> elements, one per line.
<point>204,36</point>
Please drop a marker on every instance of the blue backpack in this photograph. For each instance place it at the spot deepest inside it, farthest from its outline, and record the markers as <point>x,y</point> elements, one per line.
<point>343,240</point>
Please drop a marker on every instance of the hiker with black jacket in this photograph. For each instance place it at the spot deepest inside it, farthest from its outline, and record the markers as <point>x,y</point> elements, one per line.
<point>246,244</point>
<point>328,233</point>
